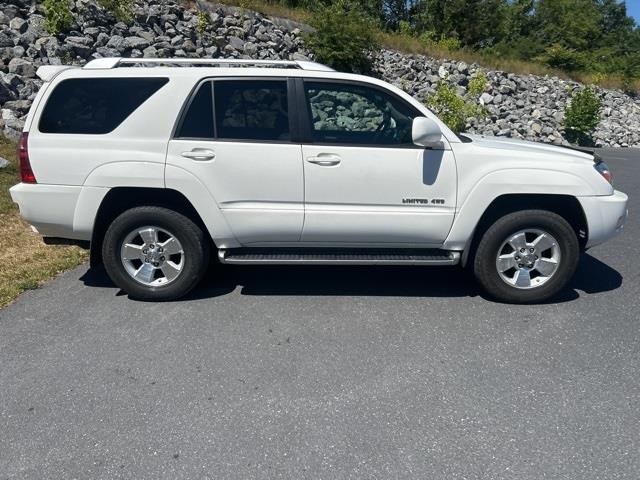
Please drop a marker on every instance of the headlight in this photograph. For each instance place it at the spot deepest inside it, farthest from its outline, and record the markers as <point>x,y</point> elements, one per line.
<point>603,169</point>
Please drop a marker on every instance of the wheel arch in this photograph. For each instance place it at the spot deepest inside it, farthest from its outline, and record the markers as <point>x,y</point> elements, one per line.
<point>567,206</point>
<point>119,199</point>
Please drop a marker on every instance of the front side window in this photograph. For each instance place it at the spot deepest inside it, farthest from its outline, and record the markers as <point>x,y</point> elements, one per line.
<point>358,115</point>
<point>95,105</point>
<point>251,110</point>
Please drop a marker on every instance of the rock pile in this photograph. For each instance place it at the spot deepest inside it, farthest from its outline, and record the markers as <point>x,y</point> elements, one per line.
<point>520,106</point>
<point>526,107</point>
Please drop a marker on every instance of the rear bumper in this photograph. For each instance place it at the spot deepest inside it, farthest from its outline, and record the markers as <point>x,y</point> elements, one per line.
<point>606,216</point>
<point>49,208</point>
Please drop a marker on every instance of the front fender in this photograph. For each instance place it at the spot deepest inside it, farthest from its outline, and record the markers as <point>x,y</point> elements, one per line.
<point>505,182</point>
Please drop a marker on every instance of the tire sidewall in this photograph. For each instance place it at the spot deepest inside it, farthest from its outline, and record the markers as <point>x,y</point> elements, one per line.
<point>493,239</point>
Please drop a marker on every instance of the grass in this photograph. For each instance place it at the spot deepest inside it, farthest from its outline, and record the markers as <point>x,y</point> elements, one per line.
<point>409,44</point>
<point>25,261</point>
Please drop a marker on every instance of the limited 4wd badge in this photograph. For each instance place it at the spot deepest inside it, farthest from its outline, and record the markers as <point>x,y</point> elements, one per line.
<point>423,201</point>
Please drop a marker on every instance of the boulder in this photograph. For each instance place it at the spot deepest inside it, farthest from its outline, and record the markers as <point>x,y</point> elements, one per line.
<point>22,67</point>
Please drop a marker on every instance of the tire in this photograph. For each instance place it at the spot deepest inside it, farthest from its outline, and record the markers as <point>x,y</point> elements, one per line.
<point>166,264</point>
<point>513,264</point>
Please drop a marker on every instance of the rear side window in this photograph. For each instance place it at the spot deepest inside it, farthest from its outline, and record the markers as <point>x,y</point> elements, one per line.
<point>252,110</point>
<point>95,105</point>
<point>198,120</point>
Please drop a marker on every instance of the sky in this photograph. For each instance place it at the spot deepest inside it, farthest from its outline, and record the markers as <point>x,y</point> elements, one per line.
<point>633,9</point>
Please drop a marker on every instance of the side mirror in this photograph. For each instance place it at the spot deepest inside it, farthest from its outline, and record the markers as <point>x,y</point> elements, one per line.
<point>425,132</point>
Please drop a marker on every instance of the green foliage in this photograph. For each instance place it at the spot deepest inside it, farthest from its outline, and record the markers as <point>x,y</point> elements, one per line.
<point>449,43</point>
<point>203,22</point>
<point>570,23</point>
<point>455,110</point>
<point>122,10</point>
<point>582,116</point>
<point>563,58</point>
<point>582,37</point>
<point>57,16</point>
<point>630,71</point>
<point>343,38</point>
<point>475,23</point>
<point>430,39</point>
<point>372,8</point>
<point>404,28</point>
<point>477,85</point>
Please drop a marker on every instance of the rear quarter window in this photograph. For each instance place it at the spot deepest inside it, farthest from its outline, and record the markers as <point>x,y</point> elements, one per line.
<point>95,105</point>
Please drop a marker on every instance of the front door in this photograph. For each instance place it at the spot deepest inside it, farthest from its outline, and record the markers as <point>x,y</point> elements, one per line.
<point>366,183</point>
<point>245,157</point>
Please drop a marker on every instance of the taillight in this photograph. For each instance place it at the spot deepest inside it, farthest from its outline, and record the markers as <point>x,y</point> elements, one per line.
<point>603,169</point>
<point>26,174</point>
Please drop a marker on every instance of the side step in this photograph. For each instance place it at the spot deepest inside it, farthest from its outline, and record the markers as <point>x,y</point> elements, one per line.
<point>338,256</point>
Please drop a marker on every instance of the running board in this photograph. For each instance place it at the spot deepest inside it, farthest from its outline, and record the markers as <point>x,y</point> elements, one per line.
<point>337,256</point>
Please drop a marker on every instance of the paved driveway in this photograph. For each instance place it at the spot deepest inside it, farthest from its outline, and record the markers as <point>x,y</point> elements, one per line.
<point>332,373</point>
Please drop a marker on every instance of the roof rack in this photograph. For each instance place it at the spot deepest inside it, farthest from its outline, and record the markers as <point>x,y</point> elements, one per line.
<point>115,62</point>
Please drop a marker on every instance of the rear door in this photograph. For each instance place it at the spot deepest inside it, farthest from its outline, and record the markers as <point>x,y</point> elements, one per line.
<point>366,183</point>
<point>242,150</point>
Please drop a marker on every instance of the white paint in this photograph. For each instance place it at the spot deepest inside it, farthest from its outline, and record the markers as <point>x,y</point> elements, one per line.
<point>263,194</point>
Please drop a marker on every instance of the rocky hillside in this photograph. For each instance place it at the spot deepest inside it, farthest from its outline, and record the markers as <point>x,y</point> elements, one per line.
<point>526,107</point>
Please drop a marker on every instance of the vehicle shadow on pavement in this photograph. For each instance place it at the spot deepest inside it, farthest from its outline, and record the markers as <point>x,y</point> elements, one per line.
<point>343,281</point>
<point>593,276</point>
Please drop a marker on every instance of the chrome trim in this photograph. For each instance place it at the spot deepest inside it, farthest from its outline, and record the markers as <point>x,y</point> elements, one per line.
<point>115,62</point>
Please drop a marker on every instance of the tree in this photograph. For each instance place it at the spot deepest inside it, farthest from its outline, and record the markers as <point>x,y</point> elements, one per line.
<point>590,36</point>
<point>477,23</point>
<point>518,19</point>
<point>397,11</point>
<point>573,24</point>
<point>614,17</point>
<point>343,38</point>
<point>372,8</point>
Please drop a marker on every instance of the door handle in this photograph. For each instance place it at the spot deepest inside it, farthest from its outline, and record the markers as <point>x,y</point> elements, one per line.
<point>325,160</point>
<point>200,154</point>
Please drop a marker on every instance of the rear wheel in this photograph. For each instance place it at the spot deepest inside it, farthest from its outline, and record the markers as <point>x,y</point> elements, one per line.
<point>154,253</point>
<point>527,257</point>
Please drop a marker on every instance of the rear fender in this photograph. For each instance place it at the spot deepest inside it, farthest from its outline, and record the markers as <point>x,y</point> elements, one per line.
<point>127,174</point>
<point>204,203</point>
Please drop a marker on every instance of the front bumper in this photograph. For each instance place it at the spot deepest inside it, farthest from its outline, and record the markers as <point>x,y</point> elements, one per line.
<point>606,216</point>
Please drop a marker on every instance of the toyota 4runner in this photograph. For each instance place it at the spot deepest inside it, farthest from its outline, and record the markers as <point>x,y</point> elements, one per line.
<point>285,162</point>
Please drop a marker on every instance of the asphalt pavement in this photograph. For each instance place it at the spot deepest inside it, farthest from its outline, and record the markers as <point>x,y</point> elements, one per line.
<point>329,373</point>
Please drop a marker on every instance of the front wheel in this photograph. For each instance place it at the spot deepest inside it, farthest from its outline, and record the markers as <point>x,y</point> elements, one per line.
<point>527,257</point>
<point>154,253</point>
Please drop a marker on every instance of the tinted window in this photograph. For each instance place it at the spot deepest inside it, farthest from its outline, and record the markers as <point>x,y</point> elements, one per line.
<point>198,121</point>
<point>353,114</point>
<point>95,105</point>
<point>252,110</point>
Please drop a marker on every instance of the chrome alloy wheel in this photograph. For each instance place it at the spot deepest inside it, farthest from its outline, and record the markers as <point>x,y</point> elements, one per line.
<point>528,259</point>
<point>152,256</point>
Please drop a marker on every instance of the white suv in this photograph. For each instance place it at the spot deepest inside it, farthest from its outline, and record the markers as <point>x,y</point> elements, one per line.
<point>294,163</point>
